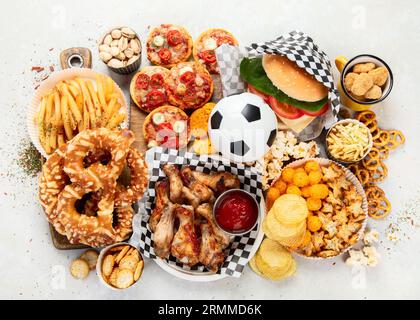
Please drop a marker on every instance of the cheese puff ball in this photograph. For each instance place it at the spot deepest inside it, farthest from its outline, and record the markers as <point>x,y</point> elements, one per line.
<point>306,191</point>
<point>297,170</point>
<point>301,179</point>
<point>319,191</point>
<point>272,195</point>
<point>311,166</point>
<point>281,186</point>
<point>314,204</point>
<point>287,175</point>
<point>315,177</point>
<point>314,224</point>
<point>293,190</point>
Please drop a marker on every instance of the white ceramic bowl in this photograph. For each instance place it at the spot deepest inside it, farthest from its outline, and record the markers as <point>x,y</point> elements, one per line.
<point>100,262</point>
<point>49,84</point>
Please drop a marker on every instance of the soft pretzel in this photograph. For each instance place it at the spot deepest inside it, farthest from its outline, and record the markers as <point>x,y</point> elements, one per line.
<point>86,171</point>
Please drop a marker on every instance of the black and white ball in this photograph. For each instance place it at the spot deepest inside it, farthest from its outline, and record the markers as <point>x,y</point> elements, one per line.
<point>242,127</point>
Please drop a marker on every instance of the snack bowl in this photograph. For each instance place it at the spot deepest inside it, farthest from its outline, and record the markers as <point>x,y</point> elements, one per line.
<point>359,189</point>
<point>247,199</point>
<point>106,252</point>
<point>345,66</point>
<point>345,122</point>
<point>49,84</point>
<point>129,66</point>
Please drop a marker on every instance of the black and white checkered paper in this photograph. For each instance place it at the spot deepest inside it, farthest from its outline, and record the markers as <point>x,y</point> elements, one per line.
<point>239,252</point>
<point>297,47</point>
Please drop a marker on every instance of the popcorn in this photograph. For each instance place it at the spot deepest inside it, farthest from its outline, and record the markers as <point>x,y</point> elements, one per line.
<point>357,258</point>
<point>285,148</point>
<point>371,237</point>
<point>372,256</point>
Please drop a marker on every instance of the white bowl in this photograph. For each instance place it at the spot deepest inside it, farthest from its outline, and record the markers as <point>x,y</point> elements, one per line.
<point>101,259</point>
<point>49,84</point>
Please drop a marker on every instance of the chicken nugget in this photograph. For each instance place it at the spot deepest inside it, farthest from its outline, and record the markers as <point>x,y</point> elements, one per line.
<point>380,76</point>
<point>362,84</point>
<point>374,93</point>
<point>363,67</point>
<point>349,80</point>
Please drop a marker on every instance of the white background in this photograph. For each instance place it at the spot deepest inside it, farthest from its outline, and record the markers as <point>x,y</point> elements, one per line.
<point>29,265</point>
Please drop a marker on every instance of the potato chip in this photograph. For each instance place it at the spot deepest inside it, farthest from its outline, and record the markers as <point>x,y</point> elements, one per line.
<point>274,255</point>
<point>283,230</point>
<point>290,209</point>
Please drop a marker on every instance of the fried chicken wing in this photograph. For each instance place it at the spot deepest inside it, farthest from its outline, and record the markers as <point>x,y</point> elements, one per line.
<point>195,192</point>
<point>185,245</point>
<point>206,211</point>
<point>211,252</point>
<point>164,232</point>
<point>162,200</point>
<point>175,183</point>
<point>219,182</point>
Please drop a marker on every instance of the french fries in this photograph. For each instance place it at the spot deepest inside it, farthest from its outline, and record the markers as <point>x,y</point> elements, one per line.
<point>75,105</point>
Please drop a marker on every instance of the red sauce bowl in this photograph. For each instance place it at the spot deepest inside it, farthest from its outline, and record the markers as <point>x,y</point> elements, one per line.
<point>236,212</point>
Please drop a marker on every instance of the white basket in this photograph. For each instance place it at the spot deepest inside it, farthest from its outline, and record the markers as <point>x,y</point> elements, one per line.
<point>49,84</point>
<point>359,188</point>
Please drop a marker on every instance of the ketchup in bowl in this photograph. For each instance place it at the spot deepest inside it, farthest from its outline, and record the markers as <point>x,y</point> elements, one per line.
<point>236,212</point>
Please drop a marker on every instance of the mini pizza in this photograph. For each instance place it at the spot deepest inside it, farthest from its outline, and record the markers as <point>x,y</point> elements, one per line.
<point>206,45</point>
<point>168,127</point>
<point>168,45</point>
<point>148,89</point>
<point>189,86</point>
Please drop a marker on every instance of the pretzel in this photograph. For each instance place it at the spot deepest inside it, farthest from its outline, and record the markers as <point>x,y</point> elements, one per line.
<point>379,205</point>
<point>92,178</point>
<point>88,169</point>
<point>52,181</point>
<point>379,174</point>
<point>363,175</point>
<point>397,138</point>
<point>126,196</point>
<point>382,139</point>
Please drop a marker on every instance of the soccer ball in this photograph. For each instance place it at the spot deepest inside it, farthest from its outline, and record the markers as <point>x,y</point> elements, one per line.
<point>242,127</point>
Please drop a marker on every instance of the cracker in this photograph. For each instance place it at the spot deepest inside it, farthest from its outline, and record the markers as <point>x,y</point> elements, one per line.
<point>139,270</point>
<point>91,257</point>
<point>108,265</point>
<point>79,269</point>
<point>122,253</point>
<point>124,279</point>
<point>128,262</point>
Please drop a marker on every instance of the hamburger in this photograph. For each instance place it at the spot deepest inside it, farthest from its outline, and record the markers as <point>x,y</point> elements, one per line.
<point>294,95</point>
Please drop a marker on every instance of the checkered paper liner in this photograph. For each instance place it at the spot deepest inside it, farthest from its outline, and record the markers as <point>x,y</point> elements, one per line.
<point>297,47</point>
<point>239,252</point>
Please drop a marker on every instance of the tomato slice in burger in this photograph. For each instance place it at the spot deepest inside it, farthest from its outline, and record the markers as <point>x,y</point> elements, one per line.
<point>252,90</point>
<point>187,77</point>
<point>155,98</point>
<point>143,82</point>
<point>165,55</point>
<point>157,81</point>
<point>174,38</point>
<point>284,110</point>
<point>318,113</point>
<point>208,56</point>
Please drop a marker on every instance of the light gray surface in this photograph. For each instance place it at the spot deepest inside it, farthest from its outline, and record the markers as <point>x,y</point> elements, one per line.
<point>32,268</point>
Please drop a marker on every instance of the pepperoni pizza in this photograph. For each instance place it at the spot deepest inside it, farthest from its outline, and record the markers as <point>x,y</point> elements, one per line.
<point>168,45</point>
<point>189,86</point>
<point>206,45</point>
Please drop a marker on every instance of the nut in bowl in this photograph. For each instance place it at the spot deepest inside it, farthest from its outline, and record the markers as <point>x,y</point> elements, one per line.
<point>120,49</point>
<point>349,141</point>
<point>120,266</point>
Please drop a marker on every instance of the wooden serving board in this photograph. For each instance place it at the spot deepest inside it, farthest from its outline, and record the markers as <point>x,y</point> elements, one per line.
<point>137,118</point>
